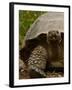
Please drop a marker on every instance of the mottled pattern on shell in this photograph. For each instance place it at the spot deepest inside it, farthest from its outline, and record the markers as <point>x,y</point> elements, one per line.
<point>38,58</point>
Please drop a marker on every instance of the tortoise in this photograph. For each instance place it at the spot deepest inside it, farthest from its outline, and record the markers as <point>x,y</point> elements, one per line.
<point>44,45</point>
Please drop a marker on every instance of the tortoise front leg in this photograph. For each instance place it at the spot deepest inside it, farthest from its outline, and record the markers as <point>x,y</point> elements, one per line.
<point>37,62</point>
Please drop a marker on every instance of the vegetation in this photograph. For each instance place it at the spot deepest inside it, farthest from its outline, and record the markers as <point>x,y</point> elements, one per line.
<point>26,19</point>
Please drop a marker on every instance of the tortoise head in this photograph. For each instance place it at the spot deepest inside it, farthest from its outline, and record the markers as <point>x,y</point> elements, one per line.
<point>53,37</point>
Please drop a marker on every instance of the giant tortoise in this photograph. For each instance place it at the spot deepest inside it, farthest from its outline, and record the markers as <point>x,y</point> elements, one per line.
<point>44,45</point>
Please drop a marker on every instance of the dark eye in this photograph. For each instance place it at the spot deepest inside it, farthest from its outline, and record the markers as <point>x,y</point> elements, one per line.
<point>49,32</point>
<point>57,32</point>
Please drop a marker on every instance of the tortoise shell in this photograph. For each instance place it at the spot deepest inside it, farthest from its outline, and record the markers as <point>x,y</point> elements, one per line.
<point>51,21</point>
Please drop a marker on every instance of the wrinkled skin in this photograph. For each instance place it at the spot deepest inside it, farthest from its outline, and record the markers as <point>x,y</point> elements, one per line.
<point>55,50</point>
<point>37,62</point>
<point>54,37</point>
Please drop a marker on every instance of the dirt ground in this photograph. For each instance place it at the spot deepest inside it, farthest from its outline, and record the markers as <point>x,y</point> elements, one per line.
<point>23,72</point>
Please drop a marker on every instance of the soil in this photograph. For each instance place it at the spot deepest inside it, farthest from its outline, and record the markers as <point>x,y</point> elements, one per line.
<point>23,73</point>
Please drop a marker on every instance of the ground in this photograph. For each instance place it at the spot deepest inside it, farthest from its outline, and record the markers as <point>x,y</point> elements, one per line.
<point>23,73</point>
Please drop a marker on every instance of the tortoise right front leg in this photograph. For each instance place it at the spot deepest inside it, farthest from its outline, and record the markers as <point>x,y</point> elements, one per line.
<point>37,62</point>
